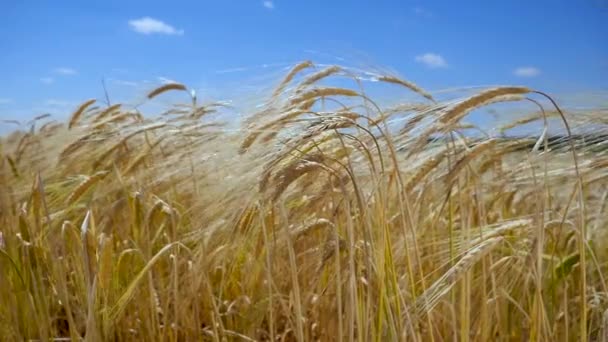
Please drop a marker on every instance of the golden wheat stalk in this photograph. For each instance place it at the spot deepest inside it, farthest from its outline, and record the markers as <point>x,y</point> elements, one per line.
<point>104,113</point>
<point>310,227</point>
<point>327,124</point>
<point>528,119</point>
<point>427,301</point>
<point>470,155</point>
<point>399,109</point>
<point>165,88</point>
<point>290,75</point>
<point>86,184</point>
<point>321,92</point>
<point>78,112</point>
<point>287,177</point>
<point>116,119</point>
<point>409,85</point>
<point>318,76</point>
<point>483,98</point>
<point>121,142</point>
<point>423,170</point>
<point>48,126</point>
<point>140,159</point>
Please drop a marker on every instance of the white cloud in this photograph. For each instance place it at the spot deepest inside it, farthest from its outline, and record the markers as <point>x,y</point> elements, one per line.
<point>147,25</point>
<point>526,71</point>
<point>65,71</point>
<point>5,101</point>
<point>432,60</point>
<point>47,80</point>
<point>165,80</point>
<point>268,4</point>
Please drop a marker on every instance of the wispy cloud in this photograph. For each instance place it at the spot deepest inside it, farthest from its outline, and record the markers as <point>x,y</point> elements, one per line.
<point>56,103</point>
<point>65,71</point>
<point>422,12</point>
<point>166,80</point>
<point>123,82</point>
<point>147,25</point>
<point>119,70</point>
<point>47,80</point>
<point>268,4</point>
<point>432,60</point>
<point>526,71</point>
<point>4,101</point>
<point>231,70</point>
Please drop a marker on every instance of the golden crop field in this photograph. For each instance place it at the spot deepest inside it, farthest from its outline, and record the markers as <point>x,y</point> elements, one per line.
<point>325,214</point>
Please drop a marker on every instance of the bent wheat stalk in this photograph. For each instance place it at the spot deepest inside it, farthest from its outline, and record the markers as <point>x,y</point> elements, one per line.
<point>78,112</point>
<point>165,88</point>
<point>483,98</point>
<point>85,185</point>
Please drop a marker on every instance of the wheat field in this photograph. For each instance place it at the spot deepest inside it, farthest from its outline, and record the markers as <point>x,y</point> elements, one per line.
<point>324,214</point>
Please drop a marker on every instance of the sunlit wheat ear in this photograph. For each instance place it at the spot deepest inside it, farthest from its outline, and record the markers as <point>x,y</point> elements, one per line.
<point>78,112</point>
<point>499,153</point>
<point>284,177</point>
<point>141,157</point>
<point>117,119</point>
<point>528,119</point>
<point>504,229</point>
<point>483,98</point>
<point>76,145</point>
<point>326,124</point>
<point>91,112</point>
<point>310,227</point>
<point>102,158</point>
<point>249,140</point>
<point>290,175</point>
<point>318,76</point>
<point>256,132</point>
<point>412,122</point>
<point>409,85</point>
<point>427,301</point>
<point>286,117</point>
<point>119,307</point>
<point>321,92</point>
<point>423,170</point>
<point>104,113</point>
<point>165,88</point>
<point>307,105</point>
<point>84,186</point>
<point>400,109</point>
<point>471,155</point>
<point>201,111</point>
<point>290,75</point>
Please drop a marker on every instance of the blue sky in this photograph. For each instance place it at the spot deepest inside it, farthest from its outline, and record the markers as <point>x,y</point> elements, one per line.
<point>53,54</point>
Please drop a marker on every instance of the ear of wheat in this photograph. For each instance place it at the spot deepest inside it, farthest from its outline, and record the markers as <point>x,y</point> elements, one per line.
<point>78,112</point>
<point>165,88</point>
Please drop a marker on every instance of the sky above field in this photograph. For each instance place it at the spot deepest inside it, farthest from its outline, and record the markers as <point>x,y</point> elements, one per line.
<point>54,54</point>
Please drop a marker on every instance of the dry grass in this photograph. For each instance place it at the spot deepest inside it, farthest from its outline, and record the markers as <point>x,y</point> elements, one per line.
<point>345,220</point>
